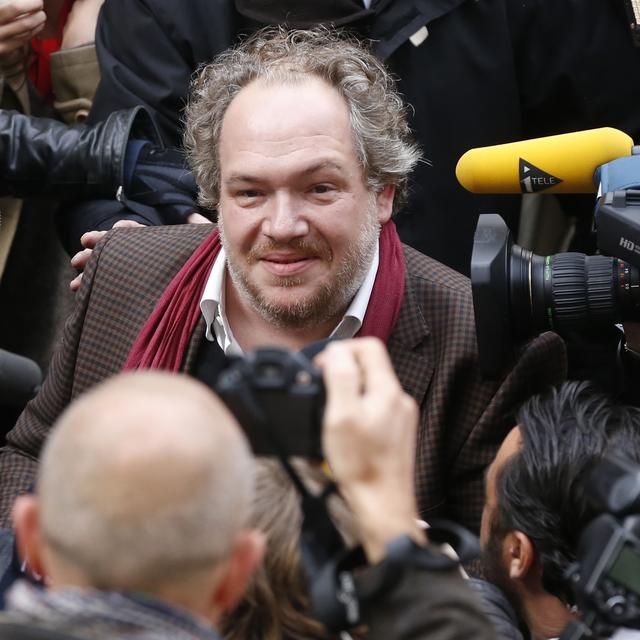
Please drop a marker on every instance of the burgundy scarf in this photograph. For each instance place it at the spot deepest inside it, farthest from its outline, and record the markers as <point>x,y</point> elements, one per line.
<point>163,341</point>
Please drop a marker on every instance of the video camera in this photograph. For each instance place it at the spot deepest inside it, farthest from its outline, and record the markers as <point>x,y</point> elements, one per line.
<point>606,575</point>
<point>517,293</point>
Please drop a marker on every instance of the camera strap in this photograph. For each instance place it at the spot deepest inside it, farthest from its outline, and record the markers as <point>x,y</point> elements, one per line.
<point>320,540</point>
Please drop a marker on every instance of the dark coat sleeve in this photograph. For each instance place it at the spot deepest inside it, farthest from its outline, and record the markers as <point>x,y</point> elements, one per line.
<point>41,156</point>
<point>159,189</point>
<point>148,50</point>
<point>19,457</point>
<point>431,606</point>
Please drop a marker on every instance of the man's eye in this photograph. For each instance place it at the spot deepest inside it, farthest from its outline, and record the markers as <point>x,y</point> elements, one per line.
<point>248,194</point>
<point>322,188</point>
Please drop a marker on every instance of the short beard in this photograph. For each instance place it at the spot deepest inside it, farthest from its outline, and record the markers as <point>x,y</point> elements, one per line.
<point>330,300</point>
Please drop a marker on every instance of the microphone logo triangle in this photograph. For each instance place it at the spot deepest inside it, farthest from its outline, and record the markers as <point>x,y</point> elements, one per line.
<point>533,179</point>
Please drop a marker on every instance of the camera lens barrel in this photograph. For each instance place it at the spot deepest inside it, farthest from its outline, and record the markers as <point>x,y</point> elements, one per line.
<point>574,292</point>
<point>517,293</point>
<point>582,290</point>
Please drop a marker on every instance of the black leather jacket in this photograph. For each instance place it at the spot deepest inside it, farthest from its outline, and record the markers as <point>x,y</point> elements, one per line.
<point>40,156</point>
<point>120,160</point>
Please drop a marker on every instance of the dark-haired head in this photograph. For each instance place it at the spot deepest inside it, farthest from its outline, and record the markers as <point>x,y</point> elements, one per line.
<point>535,484</point>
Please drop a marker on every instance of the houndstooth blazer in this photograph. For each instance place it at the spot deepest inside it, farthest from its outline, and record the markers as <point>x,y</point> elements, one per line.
<point>433,349</point>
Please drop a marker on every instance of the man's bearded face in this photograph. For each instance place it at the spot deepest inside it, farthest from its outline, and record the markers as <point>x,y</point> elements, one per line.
<point>294,300</point>
<point>297,220</point>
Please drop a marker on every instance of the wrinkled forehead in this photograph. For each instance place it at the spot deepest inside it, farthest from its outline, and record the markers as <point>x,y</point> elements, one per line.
<point>270,105</point>
<point>287,120</point>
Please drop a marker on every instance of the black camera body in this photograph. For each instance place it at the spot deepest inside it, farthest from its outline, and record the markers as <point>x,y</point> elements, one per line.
<point>278,398</point>
<point>608,580</point>
<point>606,575</point>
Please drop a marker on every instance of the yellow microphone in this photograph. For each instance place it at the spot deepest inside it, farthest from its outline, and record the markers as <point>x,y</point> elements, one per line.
<point>555,164</point>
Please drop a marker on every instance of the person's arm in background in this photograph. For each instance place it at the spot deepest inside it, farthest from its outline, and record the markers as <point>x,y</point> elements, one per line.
<point>147,59</point>
<point>369,435</point>
<point>20,20</point>
<point>44,157</point>
<point>74,68</point>
<point>121,160</point>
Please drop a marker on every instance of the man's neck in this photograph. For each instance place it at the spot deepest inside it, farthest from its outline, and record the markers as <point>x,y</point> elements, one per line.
<point>251,330</point>
<point>546,616</point>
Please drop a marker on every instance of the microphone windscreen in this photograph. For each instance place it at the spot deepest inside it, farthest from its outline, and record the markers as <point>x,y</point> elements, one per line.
<point>556,164</point>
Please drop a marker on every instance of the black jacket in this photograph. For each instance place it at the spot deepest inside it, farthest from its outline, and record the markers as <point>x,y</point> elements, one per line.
<point>498,610</point>
<point>121,160</point>
<point>41,156</point>
<point>422,605</point>
<point>490,71</point>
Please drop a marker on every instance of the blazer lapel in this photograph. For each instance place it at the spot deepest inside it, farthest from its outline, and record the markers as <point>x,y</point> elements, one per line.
<point>409,345</point>
<point>194,344</point>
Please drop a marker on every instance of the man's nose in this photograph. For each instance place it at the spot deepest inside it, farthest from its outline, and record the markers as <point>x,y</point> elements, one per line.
<point>285,218</point>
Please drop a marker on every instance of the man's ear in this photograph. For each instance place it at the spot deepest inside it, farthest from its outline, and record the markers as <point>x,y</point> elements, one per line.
<point>26,523</point>
<point>246,555</point>
<point>384,203</point>
<point>518,554</point>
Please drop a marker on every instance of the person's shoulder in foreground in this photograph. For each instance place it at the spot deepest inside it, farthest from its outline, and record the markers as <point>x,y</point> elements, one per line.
<point>136,557</point>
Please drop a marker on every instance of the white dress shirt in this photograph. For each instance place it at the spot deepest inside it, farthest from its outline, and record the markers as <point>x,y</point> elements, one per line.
<point>212,306</point>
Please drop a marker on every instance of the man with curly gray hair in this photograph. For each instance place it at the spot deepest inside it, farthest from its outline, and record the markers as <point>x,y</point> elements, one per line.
<point>299,139</point>
<point>377,115</point>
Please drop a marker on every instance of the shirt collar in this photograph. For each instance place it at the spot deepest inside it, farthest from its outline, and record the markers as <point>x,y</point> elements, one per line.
<point>212,306</point>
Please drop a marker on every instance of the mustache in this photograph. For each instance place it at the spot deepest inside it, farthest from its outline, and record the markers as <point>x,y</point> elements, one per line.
<point>300,246</point>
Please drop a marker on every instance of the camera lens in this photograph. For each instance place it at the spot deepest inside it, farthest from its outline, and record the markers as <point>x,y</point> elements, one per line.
<point>517,293</point>
<point>568,292</point>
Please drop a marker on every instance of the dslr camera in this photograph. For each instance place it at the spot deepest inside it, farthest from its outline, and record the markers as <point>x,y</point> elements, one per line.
<point>606,575</point>
<point>278,398</point>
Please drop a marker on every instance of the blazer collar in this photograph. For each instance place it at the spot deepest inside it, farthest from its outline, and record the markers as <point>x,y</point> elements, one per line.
<point>408,344</point>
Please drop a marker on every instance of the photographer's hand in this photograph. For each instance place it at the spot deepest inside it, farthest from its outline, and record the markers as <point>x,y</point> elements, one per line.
<point>369,435</point>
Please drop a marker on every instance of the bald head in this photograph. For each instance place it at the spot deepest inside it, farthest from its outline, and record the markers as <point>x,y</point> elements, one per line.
<point>143,480</point>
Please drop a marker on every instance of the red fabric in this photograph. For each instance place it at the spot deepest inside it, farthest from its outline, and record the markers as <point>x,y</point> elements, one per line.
<point>40,65</point>
<point>388,289</point>
<point>163,341</point>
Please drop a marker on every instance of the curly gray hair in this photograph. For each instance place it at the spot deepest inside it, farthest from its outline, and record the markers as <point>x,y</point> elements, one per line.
<point>381,134</point>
